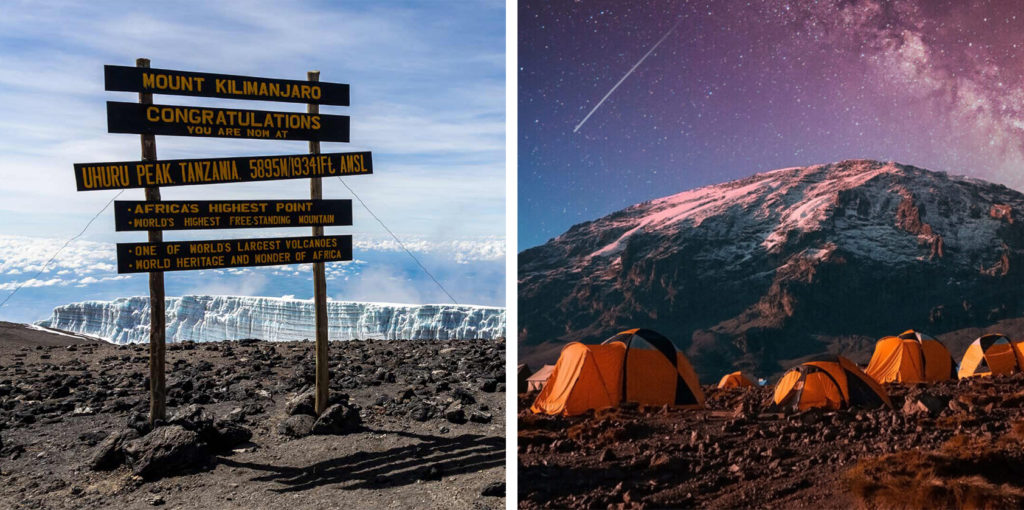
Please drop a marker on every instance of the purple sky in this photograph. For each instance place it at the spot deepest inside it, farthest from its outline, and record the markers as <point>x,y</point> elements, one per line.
<point>742,87</point>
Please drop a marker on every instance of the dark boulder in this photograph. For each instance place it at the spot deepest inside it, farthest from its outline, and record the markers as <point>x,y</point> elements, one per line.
<point>299,425</point>
<point>166,450</point>
<point>196,419</point>
<point>455,415</point>
<point>229,435</point>
<point>110,452</point>
<point>301,404</point>
<point>338,419</point>
<point>489,385</point>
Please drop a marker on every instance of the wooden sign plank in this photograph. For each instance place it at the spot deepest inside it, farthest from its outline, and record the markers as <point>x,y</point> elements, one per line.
<point>207,214</point>
<point>183,172</point>
<point>187,83</point>
<point>196,255</point>
<point>174,120</point>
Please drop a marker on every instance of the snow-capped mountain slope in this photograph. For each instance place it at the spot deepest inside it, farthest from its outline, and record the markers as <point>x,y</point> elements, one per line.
<point>757,269</point>
<point>212,318</point>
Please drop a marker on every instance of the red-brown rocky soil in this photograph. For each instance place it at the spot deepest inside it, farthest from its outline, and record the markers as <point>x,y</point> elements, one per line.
<point>415,424</point>
<point>955,444</point>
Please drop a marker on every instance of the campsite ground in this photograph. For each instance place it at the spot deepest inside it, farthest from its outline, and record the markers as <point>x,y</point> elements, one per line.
<point>943,445</point>
<point>61,396</point>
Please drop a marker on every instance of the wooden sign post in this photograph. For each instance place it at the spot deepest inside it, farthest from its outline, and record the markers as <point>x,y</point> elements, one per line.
<point>158,322</point>
<point>154,216</point>
<point>316,192</point>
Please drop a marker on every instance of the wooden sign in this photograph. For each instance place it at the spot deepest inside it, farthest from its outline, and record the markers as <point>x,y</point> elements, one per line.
<point>154,119</point>
<point>195,255</point>
<point>206,214</point>
<point>185,83</point>
<point>181,172</point>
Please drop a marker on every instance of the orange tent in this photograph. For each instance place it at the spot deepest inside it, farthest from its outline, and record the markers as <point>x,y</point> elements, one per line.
<point>911,357</point>
<point>734,380</point>
<point>833,382</point>
<point>991,354</point>
<point>539,378</point>
<point>638,365</point>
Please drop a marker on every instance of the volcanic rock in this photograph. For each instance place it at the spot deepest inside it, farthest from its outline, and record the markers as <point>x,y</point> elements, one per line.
<point>338,419</point>
<point>455,415</point>
<point>301,404</point>
<point>110,453</point>
<point>480,417</point>
<point>298,425</point>
<point>928,404</point>
<point>494,489</point>
<point>166,450</point>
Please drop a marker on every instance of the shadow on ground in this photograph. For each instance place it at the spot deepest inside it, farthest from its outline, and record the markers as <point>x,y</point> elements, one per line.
<point>431,458</point>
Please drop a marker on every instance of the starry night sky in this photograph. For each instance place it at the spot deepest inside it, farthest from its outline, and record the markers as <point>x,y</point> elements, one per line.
<point>741,87</point>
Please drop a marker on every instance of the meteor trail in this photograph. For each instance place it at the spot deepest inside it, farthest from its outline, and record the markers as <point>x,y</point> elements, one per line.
<point>641,61</point>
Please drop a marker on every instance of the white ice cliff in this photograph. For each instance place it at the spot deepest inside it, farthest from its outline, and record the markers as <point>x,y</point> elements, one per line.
<point>213,318</point>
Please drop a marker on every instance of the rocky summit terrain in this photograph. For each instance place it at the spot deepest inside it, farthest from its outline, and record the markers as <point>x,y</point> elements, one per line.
<point>753,273</point>
<point>954,444</point>
<point>413,424</point>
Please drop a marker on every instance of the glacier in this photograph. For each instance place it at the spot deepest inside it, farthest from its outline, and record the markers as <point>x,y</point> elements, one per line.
<point>215,318</point>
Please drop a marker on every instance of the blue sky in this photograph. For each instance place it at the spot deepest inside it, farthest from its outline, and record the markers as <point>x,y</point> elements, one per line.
<point>428,98</point>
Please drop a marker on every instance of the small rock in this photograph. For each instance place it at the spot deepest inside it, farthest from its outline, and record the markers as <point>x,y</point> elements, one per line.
<point>478,417</point>
<point>301,404</point>
<point>299,425</point>
<point>229,435</point>
<point>494,489</point>
<point>421,413</point>
<point>928,404</point>
<point>110,453</point>
<point>83,411</point>
<point>157,501</point>
<point>338,419</point>
<point>455,415</point>
<point>463,396</point>
<point>489,386</point>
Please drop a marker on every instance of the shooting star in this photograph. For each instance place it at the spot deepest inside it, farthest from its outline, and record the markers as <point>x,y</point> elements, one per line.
<point>641,61</point>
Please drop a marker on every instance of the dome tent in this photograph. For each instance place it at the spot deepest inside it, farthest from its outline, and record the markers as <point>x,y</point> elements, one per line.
<point>638,365</point>
<point>911,357</point>
<point>989,354</point>
<point>832,382</point>
<point>734,380</point>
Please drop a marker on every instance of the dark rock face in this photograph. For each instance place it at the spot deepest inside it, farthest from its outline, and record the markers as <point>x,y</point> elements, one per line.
<point>166,450</point>
<point>784,264</point>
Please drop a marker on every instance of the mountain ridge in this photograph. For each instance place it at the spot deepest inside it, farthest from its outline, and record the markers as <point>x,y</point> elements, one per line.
<point>746,273</point>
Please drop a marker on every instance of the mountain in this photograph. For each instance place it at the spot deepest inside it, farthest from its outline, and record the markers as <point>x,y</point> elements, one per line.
<point>754,273</point>
<point>212,318</point>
